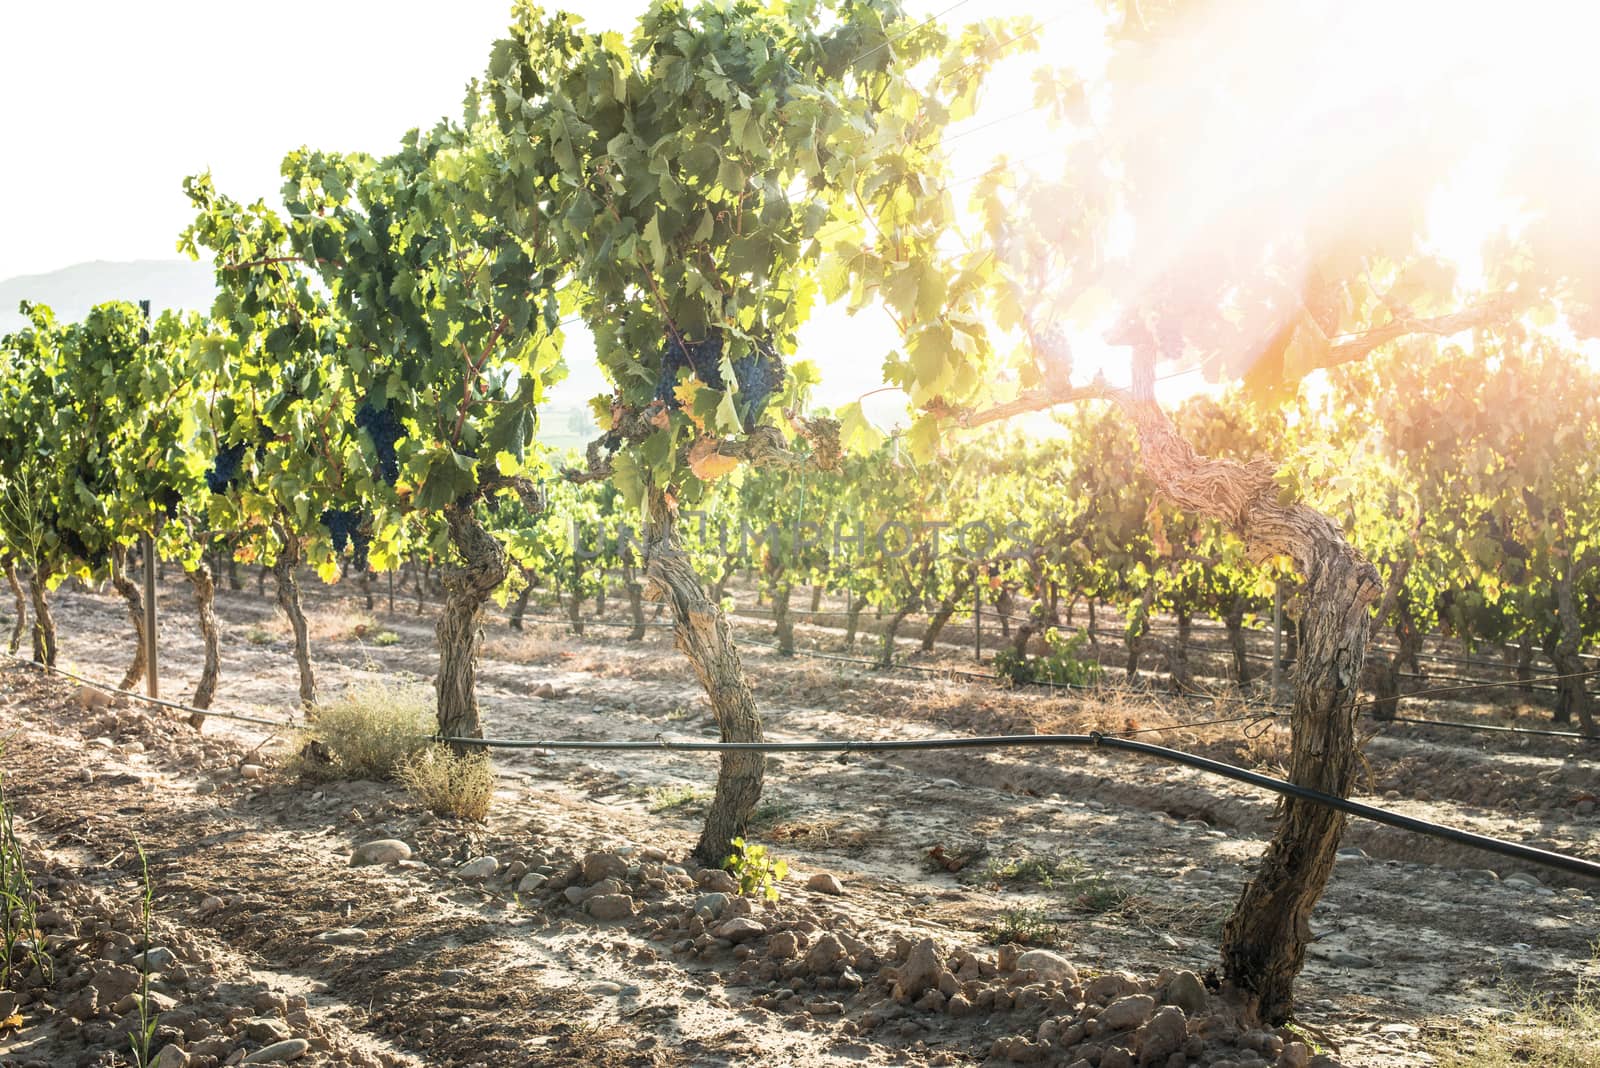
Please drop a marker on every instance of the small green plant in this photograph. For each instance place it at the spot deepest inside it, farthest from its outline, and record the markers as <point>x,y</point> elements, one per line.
<point>683,797</point>
<point>367,733</point>
<point>142,1038</point>
<point>449,783</point>
<point>1550,1032</point>
<point>1026,927</point>
<point>385,638</point>
<point>1061,664</point>
<point>258,636</point>
<point>20,936</point>
<point>1083,887</point>
<point>755,869</point>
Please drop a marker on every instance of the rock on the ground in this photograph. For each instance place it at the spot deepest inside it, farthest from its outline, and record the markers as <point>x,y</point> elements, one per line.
<point>784,945</point>
<point>155,958</point>
<point>382,851</point>
<point>609,906</point>
<point>921,969</point>
<point>825,883</point>
<point>293,1049</point>
<point>172,1056</point>
<point>598,866</point>
<point>252,772</point>
<point>531,882</point>
<point>739,929</point>
<point>481,868</point>
<point>1162,1036</point>
<point>1128,1012</point>
<point>1048,965</point>
<point>1188,993</point>
<point>343,936</point>
<point>716,880</point>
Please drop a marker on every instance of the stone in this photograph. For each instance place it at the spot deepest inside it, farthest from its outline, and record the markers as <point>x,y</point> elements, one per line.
<point>1005,958</point>
<point>1295,1055</point>
<point>1522,879</point>
<point>114,983</point>
<point>266,1029</point>
<point>1584,808</point>
<point>716,880</point>
<point>211,903</point>
<point>710,906</point>
<point>739,929</point>
<point>1342,959</point>
<point>609,906</point>
<point>343,936</point>
<point>1188,993</point>
<point>155,958</point>
<point>605,989</point>
<point>172,1056</point>
<point>531,882</point>
<point>932,1001</point>
<point>959,1006</point>
<point>293,1049</point>
<point>252,772</point>
<point>480,868</point>
<point>1048,965</point>
<point>1128,1012</point>
<point>825,883</point>
<point>597,866</point>
<point>90,699</point>
<point>824,953</point>
<point>921,969</point>
<point>382,851</point>
<point>1162,1036</point>
<point>784,946</point>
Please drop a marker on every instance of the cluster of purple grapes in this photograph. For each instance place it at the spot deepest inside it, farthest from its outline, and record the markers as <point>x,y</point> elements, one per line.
<point>225,468</point>
<point>758,373</point>
<point>383,426</point>
<point>347,527</point>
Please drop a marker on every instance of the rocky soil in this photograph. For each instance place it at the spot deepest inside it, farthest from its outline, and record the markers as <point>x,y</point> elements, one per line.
<point>1022,906</point>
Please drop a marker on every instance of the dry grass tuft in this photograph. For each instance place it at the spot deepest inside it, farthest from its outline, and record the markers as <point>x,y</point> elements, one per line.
<point>1552,1034</point>
<point>367,733</point>
<point>450,783</point>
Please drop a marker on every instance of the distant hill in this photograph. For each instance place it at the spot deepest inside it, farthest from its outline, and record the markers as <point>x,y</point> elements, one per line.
<point>72,291</point>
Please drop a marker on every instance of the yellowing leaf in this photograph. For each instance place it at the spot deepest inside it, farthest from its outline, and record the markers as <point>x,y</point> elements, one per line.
<point>686,393</point>
<point>707,463</point>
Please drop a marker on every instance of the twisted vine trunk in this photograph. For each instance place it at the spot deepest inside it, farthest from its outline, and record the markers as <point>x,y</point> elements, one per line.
<point>205,596</point>
<point>704,637</point>
<point>283,570</point>
<point>635,591</point>
<point>1572,697</point>
<point>816,599</point>
<point>886,653</point>
<point>947,608</point>
<point>130,592</point>
<point>575,610</point>
<point>783,620</point>
<point>852,615</point>
<point>1264,941</point>
<point>467,589</point>
<point>1234,621</point>
<point>20,627</point>
<point>519,607</point>
<point>44,624</point>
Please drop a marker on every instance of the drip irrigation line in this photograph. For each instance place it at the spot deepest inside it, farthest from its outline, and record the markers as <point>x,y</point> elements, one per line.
<point>146,698</point>
<point>1488,727</point>
<point>1530,854</point>
<point>1501,684</point>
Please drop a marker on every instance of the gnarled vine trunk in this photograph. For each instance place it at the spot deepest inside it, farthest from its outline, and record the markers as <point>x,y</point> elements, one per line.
<point>129,591</point>
<point>1234,621</point>
<point>467,589</point>
<point>705,638</point>
<point>886,653</point>
<point>635,591</point>
<point>816,598</point>
<point>852,616</point>
<point>519,607</point>
<point>575,610</point>
<point>1264,941</point>
<point>1572,695</point>
<point>20,627</point>
<point>783,619</point>
<point>947,608</point>
<point>204,584</point>
<point>44,624</point>
<point>283,571</point>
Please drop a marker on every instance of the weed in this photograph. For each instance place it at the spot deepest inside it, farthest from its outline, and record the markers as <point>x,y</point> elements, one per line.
<point>20,936</point>
<point>1026,927</point>
<point>385,638</point>
<point>366,734</point>
<point>141,1039</point>
<point>258,636</point>
<point>772,810</point>
<point>755,869</point>
<point>1061,664</point>
<point>1086,888</point>
<point>1550,1032</point>
<point>449,783</point>
<point>686,798</point>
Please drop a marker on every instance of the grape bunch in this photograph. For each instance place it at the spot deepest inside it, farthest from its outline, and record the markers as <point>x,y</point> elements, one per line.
<point>383,426</point>
<point>169,499</point>
<point>225,469</point>
<point>758,373</point>
<point>347,525</point>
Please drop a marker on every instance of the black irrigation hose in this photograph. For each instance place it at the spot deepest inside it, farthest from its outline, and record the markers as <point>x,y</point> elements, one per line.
<point>1515,850</point>
<point>1576,735</point>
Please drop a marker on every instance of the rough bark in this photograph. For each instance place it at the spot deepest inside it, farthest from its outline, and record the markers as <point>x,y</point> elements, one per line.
<point>1264,941</point>
<point>467,588</point>
<point>600,599</point>
<point>130,592</point>
<point>1002,606</point>
<point>947,608</point>
<point>1572,695</point>
<point>205,596</point>
<point>283,570</point>
<point>519,607</point>
<point>886,654</point>
<point>261,581</point>
<point>575,611</point>
<point>234,580</point>
<point>852,615</point>
<point>783,619</point>
<point>21,625</point>
<point>635,592</point>
<point>816,599</point>
<point>364,584</point>
<point>1525,664</point>
<point>704,637</point>
<point>44,624</point>
<point>1234,621</point>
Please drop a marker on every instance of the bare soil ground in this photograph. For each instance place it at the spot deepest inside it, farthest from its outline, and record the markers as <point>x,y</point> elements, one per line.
<point>1123,868</point>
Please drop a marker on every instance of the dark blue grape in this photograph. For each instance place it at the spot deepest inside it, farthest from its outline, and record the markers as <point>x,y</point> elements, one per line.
<point>758,373</point>
<point>341,523</point>
<point>383,427</point>
<point>225,470</point>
